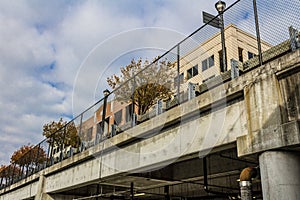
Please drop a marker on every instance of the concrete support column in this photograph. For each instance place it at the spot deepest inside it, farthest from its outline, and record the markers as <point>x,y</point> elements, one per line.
<point>280,175</point>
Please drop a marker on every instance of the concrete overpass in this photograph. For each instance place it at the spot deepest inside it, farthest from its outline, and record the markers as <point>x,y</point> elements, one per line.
<point>195,150</point>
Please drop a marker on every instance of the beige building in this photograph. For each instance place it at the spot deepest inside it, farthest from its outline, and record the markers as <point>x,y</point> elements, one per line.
<point>198,66</point>
<point>118,113</point>
<point>204,61</point>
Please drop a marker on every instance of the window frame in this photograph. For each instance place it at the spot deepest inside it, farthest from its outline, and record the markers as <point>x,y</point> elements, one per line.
<point>240,54</point>
<point>192,72</point>
<point>208,63</point>
<point>117,115</point>
<point>128,113</point>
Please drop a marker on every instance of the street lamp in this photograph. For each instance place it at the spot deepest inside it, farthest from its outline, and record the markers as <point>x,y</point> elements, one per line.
<point>221,6</point>
<point>106,93</point>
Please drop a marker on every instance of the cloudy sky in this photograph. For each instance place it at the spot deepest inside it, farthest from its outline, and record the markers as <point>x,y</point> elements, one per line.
<point>45,46</point>
<point>55,52</point>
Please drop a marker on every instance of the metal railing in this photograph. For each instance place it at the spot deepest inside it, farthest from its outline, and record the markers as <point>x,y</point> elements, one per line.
<point>256,31</point>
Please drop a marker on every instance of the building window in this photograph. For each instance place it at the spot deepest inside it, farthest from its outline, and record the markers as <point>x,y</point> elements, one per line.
<point>250,55</point>
<point>211,61</point>
<point>192,72</point>
<point>128,113</point>
<point>181,77</point>
<point>240,51</point>
<point>99,126</point>
<point>88,134</point>
<point>204,65</point>
<point>207,63</point>
<point>118,117</point>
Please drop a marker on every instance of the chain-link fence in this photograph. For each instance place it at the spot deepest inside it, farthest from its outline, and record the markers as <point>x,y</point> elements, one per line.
<point>254,32</point>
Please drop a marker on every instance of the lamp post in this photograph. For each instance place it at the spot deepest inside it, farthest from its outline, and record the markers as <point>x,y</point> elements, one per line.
<point>106,93</point>
<point>221,6</point>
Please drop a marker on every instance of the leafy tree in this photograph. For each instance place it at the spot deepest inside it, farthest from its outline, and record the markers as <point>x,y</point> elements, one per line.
<point>60,132</point>
<point>9,171</point>
<point>152,83</point>
<point>2,171</point>
<point>28,154</point>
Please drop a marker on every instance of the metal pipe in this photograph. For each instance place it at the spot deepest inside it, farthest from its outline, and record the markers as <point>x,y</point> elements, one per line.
<point>246,190</point>
<point>246,182</point>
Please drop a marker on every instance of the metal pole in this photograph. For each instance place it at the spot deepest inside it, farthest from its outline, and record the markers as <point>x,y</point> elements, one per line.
<point>36,158</point>
<point>103,117</point>
<point>224,55</point>
<point>62,146</point>
<point>98,191</point>
<point>131,191</point>
<point>51,151</point>
<point>22,170</point>
<point>80,125</point>
<point>167,192</point>
<point>257,32</point>
<point>2,175</point>
<point>132,103</point>
<point>178,73</point>
<point>205,187</point>
<point>13,174</point>
<point>48,157</point>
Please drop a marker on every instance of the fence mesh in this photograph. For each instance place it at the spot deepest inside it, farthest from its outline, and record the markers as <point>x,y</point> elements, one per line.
<point>150,89</point>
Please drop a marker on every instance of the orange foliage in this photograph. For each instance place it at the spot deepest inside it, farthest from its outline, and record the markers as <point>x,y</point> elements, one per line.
<point>9,171</point>
<point>28,155</point>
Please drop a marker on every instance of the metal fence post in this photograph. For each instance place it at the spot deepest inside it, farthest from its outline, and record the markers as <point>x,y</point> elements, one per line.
<point>13,174</point>
<point>178,73</point>
<point>294,38</point>
<point>62,146</point>
<point>133,117</point>
<point>37,158</point>
<point>257,32</point>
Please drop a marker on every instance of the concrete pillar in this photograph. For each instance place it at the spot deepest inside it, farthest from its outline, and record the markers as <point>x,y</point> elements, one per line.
<point>280,175</point>
<point>40,189</point>
<point>41,195</point>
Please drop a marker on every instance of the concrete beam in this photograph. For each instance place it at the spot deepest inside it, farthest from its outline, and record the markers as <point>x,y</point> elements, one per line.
<point>272,100</point>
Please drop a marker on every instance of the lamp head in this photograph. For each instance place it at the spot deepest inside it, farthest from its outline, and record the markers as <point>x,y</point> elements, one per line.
<point>106,92</point>
<point>220,6</point>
